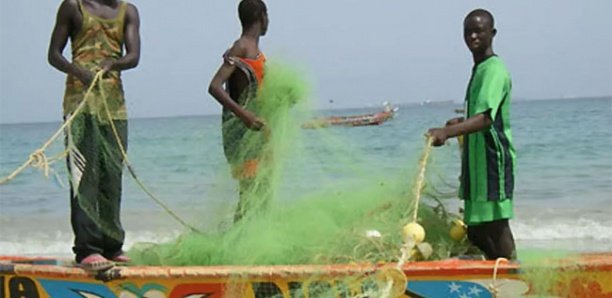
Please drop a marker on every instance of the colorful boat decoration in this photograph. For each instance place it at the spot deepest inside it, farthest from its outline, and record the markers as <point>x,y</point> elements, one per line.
<point>582,276</point>
<point>355,120</point>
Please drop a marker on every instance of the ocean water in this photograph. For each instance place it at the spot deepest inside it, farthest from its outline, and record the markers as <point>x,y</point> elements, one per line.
<point>563,195</point>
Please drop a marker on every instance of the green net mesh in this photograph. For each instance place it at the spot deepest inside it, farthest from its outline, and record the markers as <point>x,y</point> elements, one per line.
<point>348,211</point>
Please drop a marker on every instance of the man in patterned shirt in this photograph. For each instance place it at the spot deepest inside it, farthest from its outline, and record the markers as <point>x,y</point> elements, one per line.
<point>98,30</point>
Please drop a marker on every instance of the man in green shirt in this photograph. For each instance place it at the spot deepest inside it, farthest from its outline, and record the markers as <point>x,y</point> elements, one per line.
<point>487,172</point>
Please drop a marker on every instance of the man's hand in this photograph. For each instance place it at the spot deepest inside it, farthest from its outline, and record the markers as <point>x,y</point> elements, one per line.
<point>85,76</point>
<point>107,65</point>
<point>251,121</point>
<point>438,136</point>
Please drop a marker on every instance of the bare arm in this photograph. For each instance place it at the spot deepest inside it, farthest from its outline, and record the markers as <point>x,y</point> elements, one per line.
<point>469,125</point>
<point>218,92</point>
<point>64,26</point>
<point>132,43</point>
<point>454,121</point>
<point>473,124</point>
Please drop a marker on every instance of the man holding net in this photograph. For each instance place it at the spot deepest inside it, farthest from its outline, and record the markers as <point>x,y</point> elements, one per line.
<point>96,139</point>
<point>487,175</point>
<point>243,131</point>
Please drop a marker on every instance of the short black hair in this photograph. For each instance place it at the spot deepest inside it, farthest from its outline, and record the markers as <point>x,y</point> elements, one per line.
<point>482,13</point>
<point>251,11</point>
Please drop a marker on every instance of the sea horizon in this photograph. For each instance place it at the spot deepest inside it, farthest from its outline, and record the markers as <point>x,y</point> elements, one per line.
<point>331,108</point>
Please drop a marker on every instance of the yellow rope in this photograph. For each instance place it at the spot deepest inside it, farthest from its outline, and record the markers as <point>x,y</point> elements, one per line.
<point>420,181</point>
<point>493,286</point>
<point>38,159</point>
<point>417,191</point>
<point>133,173</point>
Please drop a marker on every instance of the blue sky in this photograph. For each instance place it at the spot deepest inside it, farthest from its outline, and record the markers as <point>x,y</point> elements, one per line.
<point>358,53</point>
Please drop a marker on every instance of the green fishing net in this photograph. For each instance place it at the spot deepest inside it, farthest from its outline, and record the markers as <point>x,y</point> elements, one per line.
<point>351,210</point>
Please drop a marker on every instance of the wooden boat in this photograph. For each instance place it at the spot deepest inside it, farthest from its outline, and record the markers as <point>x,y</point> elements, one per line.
<point>580,276</point>
<point>354,120</point>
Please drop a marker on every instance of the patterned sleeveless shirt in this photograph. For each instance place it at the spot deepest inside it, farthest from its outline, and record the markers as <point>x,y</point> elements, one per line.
<point>99,39</point>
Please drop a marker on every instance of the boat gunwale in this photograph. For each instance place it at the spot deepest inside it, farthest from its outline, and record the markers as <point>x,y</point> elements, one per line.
<point>444,268</point>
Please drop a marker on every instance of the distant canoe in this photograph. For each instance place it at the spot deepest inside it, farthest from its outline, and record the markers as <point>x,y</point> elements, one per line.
<point>355,120</point>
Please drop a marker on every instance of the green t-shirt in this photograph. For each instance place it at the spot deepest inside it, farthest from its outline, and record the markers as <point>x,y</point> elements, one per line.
<point>487,171</point>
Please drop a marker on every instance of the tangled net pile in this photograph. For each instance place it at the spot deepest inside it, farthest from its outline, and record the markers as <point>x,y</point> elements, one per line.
<point>348,211</point>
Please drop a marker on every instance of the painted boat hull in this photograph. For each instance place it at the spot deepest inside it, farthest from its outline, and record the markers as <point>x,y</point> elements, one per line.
<point>583,276</point>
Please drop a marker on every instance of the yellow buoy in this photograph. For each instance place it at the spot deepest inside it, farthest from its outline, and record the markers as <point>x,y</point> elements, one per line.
<point>415,231</point>
<point>425,250</point>
<point>458,230</point>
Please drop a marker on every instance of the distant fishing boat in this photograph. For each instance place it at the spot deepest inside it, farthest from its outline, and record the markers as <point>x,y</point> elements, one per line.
<point>354,120</point>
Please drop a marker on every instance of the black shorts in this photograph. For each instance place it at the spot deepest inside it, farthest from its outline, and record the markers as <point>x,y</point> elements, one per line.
<point>494,239</point>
